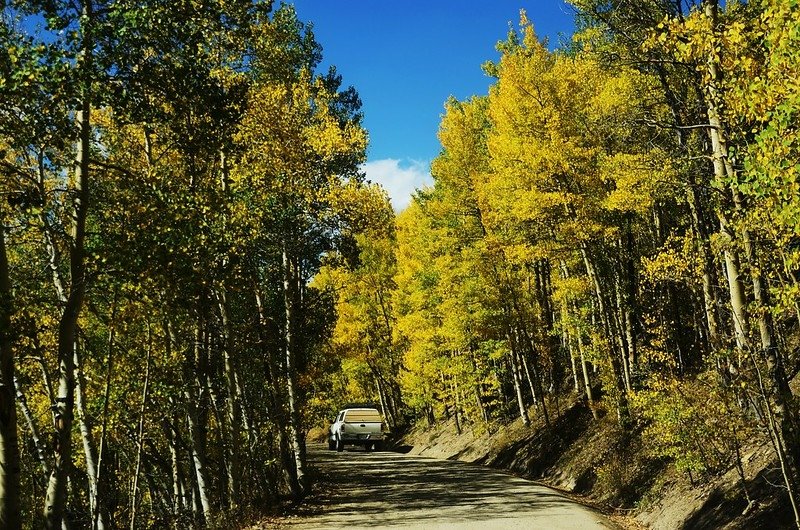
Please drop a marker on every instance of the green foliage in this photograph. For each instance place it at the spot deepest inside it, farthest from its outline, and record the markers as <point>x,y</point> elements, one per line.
<point>213,144</point>
<point>691,422</point>
<point>581,217</point>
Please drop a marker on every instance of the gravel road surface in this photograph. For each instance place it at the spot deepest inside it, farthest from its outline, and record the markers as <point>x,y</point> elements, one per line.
<point>392,491</point>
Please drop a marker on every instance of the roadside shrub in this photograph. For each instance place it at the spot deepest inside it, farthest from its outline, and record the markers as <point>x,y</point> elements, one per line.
<point>689,421</point>
<point>614,475</point>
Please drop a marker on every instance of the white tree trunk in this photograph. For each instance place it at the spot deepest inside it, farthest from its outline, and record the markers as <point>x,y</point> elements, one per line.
<point>140,433</point>
<point>296,443</point>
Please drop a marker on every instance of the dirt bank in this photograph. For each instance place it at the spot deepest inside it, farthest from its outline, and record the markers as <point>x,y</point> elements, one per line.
<point>612,470</point>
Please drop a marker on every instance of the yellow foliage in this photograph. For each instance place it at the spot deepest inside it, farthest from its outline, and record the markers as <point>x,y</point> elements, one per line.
<point>677,260</point>
<point>292,136</point>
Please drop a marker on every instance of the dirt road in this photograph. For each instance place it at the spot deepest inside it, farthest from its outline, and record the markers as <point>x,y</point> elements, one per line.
<point>390,490</point>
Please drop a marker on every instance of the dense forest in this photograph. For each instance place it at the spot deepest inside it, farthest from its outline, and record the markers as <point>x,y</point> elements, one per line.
<point>618,219</point>
<point>194,271</point>
<point>173,174</point>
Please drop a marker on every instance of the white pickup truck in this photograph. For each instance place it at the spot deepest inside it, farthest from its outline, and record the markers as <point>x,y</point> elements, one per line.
<point>357,426</point>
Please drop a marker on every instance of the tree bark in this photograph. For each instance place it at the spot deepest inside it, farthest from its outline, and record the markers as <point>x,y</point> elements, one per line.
<point>723,171</point>
<point>233,405</point>
<point>738,299</point>
<point>565,332</point>
<point>102,480</point>
<point>567,340</point>
<point>478,387</point>
<point>629,297</point>
<point>382,396</point>
<point>535,396</point>
<point>140,433</point>
<point>587,381</point>
<point>536,380</point>
<point>516,373</point>
<point>456,405</point>
<point>614,362</point>
<point>181,495</point>
<point>621,332</point>
<point>38,443</point>
<point>301,488</point>
<point>98,515</point>
<point>10,516</point>
<point>273,378</point>
<point>197,429</point>
<point>56,499</point>
<point>710,298</point>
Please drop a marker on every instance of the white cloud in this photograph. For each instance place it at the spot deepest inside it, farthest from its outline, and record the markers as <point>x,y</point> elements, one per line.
<point>400,178</point>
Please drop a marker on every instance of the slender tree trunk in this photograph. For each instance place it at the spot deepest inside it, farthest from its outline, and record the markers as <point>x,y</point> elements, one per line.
<point>517,376</point>
<point>381,396</point>
<point>56,499</point>
<point>102,480</point>
<point>233,408</point>
<point>478,389</point>
<point>614,363</point>
<point>565,337</point>
<point>710,298</point>
<point>531,347</point>
<point>90,451</point>
<point>738,299</point>
<point>723,170</point>
<point>565,334</point>
<point>587,380</point>
<point>253,471</point>
<point>10,516</point>
<point>275,396</point>
<point>273,371</point>
<point>197,429</point>
<point>630,296</point>
<point>456,404</point>
<point>38,443</point>
<point>551,340</point>
<point>394,396</point>
<point>297,446</point>
<point>181,501</point>
<point>622,333</point>
<point>535,396</point>
<point>33,334</point>
<point>536,381</point>
<point>531,377</point>
<point>176,474</point>
<point>53,253</point>
<point>140,433</point>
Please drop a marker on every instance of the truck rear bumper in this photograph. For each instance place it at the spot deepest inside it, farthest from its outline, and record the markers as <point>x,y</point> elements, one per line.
<point>361,438</point>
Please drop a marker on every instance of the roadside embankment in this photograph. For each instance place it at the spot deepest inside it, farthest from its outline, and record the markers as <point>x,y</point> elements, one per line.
<point>613,471</point>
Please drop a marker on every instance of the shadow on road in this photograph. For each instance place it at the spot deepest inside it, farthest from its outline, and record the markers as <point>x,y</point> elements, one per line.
<point>387,489</point>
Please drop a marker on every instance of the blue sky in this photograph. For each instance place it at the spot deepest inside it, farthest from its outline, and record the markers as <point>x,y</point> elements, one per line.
<point>406,57</point>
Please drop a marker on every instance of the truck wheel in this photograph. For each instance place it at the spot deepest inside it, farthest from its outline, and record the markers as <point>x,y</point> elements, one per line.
<point>377,446</point>
<point>339,445</point>
<point>331,444</point>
